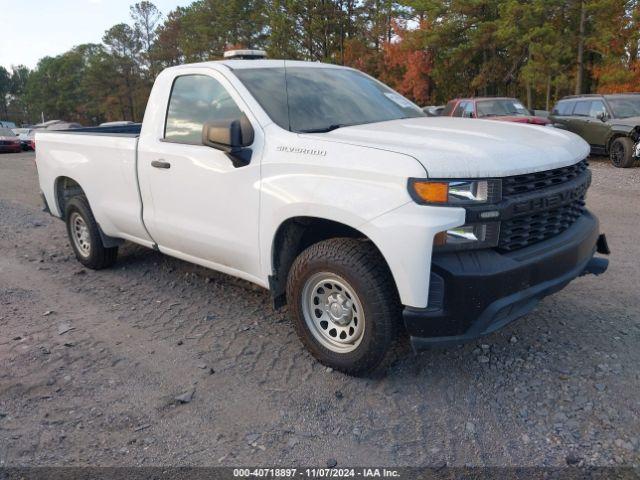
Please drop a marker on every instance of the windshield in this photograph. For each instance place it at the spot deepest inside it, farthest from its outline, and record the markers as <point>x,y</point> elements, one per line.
<point>6,132</point>
<point>323,99</point>
<point>501,106</point>
<point>625,107</point>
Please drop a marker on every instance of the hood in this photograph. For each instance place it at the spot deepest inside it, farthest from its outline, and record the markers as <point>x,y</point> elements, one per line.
<point>10,139</point>
<point>467,148</point>
<point>630,121</point>
<point>522,119</point>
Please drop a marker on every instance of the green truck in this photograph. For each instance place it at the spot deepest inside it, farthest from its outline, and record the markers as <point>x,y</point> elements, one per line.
<point>609,123</point>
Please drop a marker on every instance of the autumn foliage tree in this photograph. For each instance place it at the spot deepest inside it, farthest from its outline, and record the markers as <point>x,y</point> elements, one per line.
<point>407,63</point>
<point>428,50</point>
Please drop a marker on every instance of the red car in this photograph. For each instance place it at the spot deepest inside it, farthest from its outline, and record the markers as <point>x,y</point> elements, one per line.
<point>9,141</point>
<point>492,108</point>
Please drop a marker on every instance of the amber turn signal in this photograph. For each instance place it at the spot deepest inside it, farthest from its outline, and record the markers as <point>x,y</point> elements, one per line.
<point>432,192</point>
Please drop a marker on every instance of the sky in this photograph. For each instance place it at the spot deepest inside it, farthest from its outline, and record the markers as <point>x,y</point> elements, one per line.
<point>32,29</point>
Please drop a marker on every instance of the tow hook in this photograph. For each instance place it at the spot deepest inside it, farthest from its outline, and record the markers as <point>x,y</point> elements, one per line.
<point>602,246</point>
<point>597,265</point>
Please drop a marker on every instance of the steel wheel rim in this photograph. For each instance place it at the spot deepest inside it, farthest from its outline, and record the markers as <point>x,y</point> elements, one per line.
<point>80,234</point>
<point>333,312</point>
<point>617,153</point>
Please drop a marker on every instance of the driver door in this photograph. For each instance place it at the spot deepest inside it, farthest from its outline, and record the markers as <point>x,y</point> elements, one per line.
<point>596,131</point>
<point>197,205</point>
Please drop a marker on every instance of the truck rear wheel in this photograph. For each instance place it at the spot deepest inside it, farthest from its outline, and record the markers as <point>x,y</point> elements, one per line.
<point>621,152</point>
<point>344,303</point>
<point>84,236</point>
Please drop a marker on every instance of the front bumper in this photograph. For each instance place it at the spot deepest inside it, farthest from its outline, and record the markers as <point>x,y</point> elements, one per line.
<point>15,148</point>
<point>474,293</point>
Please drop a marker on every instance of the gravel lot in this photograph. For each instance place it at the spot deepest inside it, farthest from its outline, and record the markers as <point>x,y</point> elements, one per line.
<point>91,363</point>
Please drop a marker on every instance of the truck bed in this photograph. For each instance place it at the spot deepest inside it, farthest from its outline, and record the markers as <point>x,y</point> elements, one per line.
<point>114,130</point>
<point>103,161</point>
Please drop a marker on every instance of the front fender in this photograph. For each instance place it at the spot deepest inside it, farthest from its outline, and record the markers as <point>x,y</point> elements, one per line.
<point>347,184</point>
<point>405,238</point>
<point>618,129</point>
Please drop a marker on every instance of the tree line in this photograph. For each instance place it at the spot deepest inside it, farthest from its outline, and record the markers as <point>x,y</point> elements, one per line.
<point>428,50</point>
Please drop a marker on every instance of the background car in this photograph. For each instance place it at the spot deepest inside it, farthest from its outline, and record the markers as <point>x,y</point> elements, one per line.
<point>492,108</point>
<point>433,110</point>
<point>31,139</point>
<point>9,141</point>
<point>117,123</point>
<point>23,135</point>
<point>7,124</point>
<point>57,125</point>
<point>609,123</point>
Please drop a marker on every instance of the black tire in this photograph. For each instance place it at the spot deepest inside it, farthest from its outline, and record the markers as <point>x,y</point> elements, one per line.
<point>96,256</point>
<point>362,266</point>
<point>621,152</point>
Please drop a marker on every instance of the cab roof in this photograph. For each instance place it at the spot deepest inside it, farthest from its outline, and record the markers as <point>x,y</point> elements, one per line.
<point>479,99</point>
<point>240,64</point>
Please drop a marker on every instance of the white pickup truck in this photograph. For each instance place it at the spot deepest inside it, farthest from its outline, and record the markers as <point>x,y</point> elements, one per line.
<point>338,195</point>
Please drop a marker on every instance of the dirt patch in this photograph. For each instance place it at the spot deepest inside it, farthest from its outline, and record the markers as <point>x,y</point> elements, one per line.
<point>98,379</point>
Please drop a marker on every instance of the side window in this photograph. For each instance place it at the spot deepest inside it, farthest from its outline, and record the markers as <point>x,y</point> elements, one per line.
<point>564,108</point>
<point>597,108</point>
<point>195,100</point>
<point>582,109</point>
<point>459,109</point>
<point>468,110</point>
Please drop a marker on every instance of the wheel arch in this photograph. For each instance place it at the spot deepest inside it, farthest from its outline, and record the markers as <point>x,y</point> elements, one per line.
<point>293,236</point>
<point>622,131</point>
<point>64,189</point>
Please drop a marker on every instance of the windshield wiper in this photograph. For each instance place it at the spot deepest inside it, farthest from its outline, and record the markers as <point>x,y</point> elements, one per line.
<point>324,129</point>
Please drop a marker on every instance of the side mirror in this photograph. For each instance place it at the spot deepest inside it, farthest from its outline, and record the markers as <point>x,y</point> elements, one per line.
<point>602,116</point>
<point>232,137</point>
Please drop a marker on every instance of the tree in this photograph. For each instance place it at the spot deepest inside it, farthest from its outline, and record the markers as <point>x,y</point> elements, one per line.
<point>18,108</point>
<point>146,17</point>
<point>5,88</point>
<point>429,50</point>
<point>167,49</point>
<point>124,44</point>
<point>407,64</point>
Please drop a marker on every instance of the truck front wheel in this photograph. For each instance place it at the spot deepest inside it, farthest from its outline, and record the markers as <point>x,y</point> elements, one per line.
<point>344,302</point>
<point>84,236</point>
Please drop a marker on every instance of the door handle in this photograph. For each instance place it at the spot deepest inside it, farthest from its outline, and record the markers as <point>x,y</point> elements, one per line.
<point>160,164</point>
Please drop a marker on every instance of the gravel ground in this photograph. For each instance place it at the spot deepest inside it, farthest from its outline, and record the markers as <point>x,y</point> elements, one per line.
<point>92,363</point>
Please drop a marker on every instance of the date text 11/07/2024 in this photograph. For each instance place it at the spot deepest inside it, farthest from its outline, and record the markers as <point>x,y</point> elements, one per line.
<point>315,473</point>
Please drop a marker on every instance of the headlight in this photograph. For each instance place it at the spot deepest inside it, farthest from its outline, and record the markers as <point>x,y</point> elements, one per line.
<point>455,192</point>
<point>466,237</point>
<point>462,193</point>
